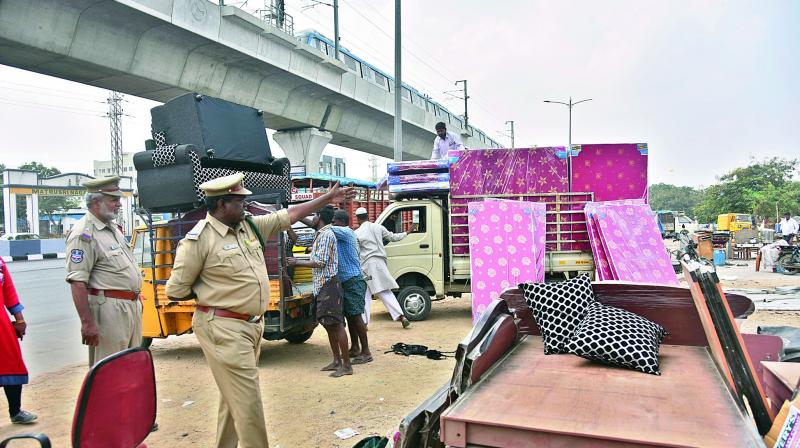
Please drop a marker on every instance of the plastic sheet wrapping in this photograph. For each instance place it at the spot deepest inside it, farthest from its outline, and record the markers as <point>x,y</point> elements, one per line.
<point>417,166</point>
<point>628,244</point>
<point>507,245</point>
<point>595,240</point>
<point>612,171</point>
<point>510,171</point>
<point>419,178</point>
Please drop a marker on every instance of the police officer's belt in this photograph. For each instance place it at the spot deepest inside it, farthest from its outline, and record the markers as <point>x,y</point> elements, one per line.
<point>113,293</point>
<point>225,313</point>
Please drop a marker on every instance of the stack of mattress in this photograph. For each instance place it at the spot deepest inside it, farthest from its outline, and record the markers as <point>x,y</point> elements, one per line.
<point>627,244</point>
<point>429,176</point>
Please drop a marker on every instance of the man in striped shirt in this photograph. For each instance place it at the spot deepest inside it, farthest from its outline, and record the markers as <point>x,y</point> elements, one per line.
<point>324,264</point>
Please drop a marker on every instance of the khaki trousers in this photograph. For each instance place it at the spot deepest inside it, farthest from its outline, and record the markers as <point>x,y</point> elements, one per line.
<point>232,348</point>
<point>119,323</point>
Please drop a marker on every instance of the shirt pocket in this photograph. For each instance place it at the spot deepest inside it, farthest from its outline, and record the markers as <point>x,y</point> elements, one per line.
<point>117,258</point>
<point>257,252</point>
<point>232,260</point>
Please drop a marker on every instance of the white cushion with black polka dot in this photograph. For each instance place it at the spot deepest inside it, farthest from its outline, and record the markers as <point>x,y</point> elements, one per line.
<point>618,337</point>
<point>558,309</point>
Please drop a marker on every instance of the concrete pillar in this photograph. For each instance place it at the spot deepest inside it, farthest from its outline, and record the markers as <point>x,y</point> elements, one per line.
<point>9,211</point>
<point>303,146</point>
<point>33,212</point>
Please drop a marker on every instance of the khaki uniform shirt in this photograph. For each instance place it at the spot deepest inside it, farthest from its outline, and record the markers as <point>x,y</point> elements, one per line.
<point>225,267</point>
<point>98,255</point>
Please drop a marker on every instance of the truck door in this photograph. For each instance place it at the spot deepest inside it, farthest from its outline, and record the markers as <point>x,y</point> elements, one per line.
<point>414,253</point>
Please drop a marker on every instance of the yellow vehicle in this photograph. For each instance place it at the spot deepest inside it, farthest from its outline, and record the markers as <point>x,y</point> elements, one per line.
<point>290,313</point>
<point>733,222</point>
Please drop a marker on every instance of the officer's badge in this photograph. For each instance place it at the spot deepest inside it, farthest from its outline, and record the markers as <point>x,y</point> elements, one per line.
<point>76,256</point>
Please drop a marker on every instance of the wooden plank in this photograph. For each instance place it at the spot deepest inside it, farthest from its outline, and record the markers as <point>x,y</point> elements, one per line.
<point>735,356</point>
<point>534,397</point>
<point>714,344</point>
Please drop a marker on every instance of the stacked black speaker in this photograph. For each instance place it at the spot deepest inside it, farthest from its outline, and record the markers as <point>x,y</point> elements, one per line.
<point>197,138</point>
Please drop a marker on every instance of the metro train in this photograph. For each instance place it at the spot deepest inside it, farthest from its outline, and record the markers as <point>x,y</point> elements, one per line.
<point>375,76</point>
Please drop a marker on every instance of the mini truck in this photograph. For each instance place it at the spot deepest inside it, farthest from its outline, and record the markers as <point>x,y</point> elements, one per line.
<point>289,312</point>
<point>197,138</point>
<point>427,263</point>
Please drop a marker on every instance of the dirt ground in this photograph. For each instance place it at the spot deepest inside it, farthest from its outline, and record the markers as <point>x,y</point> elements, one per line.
<point>304,406</point>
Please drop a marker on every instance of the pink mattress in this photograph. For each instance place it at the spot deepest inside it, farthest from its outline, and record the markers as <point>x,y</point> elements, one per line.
<point>627,244</point>
<point>507,243</point>
<point>612,171</point>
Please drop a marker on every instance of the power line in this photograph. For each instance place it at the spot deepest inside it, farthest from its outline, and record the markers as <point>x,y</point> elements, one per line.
<point>65,93</point>
<point>447,78</point>
<point>64,109</point>
<point>49,95</point>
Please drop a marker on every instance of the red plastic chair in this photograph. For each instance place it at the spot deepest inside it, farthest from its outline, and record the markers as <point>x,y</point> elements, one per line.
<point>116,406</point>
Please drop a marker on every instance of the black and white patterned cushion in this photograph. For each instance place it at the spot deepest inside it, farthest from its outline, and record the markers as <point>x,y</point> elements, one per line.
<point>558,309</point>
<point>164,155</point>
<point>618,337</point>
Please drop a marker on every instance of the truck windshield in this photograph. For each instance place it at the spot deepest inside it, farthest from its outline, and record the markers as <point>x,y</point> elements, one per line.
<point>141,248</point>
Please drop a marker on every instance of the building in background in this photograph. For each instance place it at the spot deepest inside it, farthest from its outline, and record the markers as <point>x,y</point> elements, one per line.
<point>333,166</point>
<point>103,167</point>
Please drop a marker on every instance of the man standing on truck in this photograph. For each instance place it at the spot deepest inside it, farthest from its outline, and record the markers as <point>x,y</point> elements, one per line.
<point>789,227</point>
<point>221,263</point>
<point>444,142</point>
<point>353,285</point>
<point>328,291</point>
<point>103,276</point>
<point>373,262</point>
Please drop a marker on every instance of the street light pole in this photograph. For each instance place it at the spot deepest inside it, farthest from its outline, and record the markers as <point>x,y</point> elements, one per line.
<point>398,86</point>
<point>569,147</point>
<point>466,97</point>
<point>336,29</point>
<point>511,132</point>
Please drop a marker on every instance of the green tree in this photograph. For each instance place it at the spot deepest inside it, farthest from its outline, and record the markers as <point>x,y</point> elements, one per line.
<point>756,189</point>
<point>49,205</point>
<point>672,197</point>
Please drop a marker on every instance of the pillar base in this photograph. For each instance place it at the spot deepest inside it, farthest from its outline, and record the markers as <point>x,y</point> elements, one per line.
<point>303,146</point>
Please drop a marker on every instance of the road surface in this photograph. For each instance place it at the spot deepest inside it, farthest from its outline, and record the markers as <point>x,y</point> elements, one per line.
<point>54,338</point>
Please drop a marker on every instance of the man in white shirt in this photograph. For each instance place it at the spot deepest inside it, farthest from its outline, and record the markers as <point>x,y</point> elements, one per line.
<point>373,262</point>
<point>789,227</point>
<point>444,142</point>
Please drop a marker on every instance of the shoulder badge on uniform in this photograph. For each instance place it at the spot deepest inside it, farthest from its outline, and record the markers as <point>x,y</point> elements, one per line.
<point>196,230</point>
<point>86,236</point>
<point>76,256</point>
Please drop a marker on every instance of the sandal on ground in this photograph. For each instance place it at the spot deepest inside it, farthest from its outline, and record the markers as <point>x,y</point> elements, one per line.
<point>361,359</point>
<point>342,372</point>
<point>330,367</point>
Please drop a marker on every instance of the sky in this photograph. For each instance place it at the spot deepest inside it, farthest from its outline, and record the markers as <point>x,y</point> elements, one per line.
<point>709,85</point>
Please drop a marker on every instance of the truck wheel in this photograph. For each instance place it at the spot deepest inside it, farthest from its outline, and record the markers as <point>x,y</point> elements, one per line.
<point>146,342</point>
<point>299,338</point>
<point>415,303</point>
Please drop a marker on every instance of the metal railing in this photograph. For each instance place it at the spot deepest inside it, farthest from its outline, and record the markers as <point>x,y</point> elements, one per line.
<point>277,18</point>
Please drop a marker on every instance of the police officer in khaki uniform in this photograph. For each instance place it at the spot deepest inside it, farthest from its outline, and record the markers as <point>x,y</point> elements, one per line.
<point>103,275</point>
<point>221,263</point>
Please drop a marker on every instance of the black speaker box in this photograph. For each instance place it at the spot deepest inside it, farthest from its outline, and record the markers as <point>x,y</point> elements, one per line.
<point>235,132</point>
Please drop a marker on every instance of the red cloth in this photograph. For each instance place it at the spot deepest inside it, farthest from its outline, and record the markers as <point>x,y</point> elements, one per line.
<point>12,367</point>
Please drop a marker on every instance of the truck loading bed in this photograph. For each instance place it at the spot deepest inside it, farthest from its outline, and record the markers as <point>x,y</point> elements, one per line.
<point>531,399</point>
